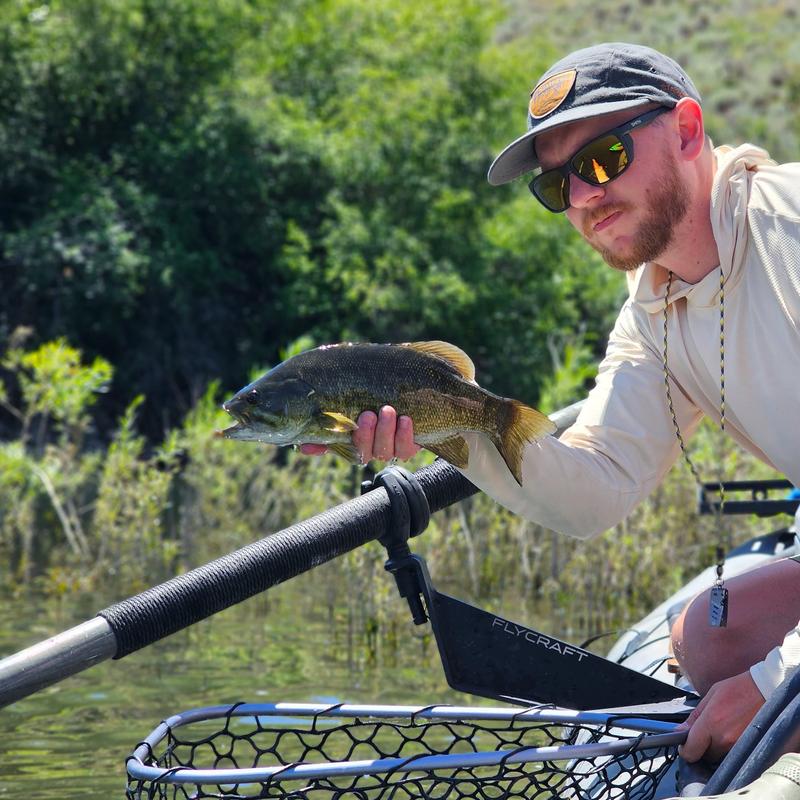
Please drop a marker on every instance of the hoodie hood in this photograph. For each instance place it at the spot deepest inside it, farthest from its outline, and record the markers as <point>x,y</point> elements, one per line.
<point>730,191</point>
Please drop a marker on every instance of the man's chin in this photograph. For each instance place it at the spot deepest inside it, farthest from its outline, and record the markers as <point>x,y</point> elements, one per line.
<point>621,265</point>
<point>624,262</point>
<point>648,244</point>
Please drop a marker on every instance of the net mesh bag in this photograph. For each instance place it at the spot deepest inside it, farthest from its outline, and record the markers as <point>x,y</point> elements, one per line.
<point>369,752</point>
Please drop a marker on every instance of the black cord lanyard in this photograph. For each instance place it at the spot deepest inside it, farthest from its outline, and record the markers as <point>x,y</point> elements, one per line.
<point>718,604</point>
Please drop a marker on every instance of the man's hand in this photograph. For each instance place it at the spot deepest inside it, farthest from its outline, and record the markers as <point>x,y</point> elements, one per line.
<point>383,436</point>
<point>720,718</point>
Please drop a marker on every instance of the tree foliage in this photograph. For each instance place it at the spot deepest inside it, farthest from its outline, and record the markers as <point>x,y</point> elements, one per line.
<point>189,186</point>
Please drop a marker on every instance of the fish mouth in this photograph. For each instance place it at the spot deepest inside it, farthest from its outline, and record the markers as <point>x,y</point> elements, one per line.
<point>255,430</point>
<point>242,421</point>
<point>251,432</point>
<point>232,432</point>
<point>259,425</point>
<point>244,426</point>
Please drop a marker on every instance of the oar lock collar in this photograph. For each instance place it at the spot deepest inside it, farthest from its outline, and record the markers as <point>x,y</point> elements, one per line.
<point>410,512</point>
<point>408,517</point>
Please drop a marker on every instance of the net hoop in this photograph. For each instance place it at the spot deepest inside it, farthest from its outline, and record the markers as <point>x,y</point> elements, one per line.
<point>632,734</point>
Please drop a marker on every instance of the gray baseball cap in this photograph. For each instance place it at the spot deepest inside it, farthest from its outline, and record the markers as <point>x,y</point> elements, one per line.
<point>597,80</point>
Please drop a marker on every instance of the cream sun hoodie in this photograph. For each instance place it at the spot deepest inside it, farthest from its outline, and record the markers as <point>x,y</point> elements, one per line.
<point>624,440</point>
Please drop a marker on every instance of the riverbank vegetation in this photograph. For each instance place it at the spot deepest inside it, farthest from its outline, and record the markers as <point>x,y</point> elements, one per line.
<point>114,520</point>
<point>192,189</point>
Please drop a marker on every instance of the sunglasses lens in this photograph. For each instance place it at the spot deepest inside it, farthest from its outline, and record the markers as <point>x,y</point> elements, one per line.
<point>597,163</point>
<point>551,189</point>
<point>601,160</point>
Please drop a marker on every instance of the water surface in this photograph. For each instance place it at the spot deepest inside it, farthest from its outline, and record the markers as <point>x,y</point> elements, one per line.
<point>71,739</point>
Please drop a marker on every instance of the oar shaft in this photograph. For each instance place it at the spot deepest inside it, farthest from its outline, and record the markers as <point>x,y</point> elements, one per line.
<point>55,658</point>
<point>202,592</point>
<point>189,598</point>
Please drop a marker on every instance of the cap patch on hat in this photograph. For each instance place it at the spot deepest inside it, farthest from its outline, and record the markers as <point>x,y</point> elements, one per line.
<point>550,93</point>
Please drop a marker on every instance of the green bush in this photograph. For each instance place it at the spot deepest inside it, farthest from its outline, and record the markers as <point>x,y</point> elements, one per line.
<point>191,184</point>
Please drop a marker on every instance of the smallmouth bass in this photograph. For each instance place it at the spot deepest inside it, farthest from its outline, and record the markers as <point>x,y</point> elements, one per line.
<point>315,397</point>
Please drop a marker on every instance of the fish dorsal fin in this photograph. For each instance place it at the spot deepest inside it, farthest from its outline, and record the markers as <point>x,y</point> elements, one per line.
<point>453,355</point>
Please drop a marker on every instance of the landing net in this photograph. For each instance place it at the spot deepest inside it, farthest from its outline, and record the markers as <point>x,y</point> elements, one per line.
<point>350,752</point>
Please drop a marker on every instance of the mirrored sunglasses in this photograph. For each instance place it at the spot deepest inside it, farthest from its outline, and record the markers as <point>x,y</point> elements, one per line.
<point>597,162</point>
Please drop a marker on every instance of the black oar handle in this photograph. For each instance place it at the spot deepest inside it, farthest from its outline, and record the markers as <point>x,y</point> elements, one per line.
<point>189,598</point>
<point>147,617</point>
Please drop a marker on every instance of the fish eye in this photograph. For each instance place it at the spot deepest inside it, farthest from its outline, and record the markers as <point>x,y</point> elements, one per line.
<point>252,397</point>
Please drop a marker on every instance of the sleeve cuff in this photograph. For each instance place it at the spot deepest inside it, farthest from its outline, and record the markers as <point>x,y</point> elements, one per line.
<point>779,662</point>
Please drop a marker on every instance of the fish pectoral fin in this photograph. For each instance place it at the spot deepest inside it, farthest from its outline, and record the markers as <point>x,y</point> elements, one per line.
<point>455,450</point>
<point>339,423</point>
<point>346,450</point>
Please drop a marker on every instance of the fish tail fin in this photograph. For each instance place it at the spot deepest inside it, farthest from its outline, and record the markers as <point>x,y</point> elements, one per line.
<point>519,425</point>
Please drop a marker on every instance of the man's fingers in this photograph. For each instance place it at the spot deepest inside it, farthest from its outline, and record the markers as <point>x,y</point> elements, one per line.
<point>695,713</point>
<point>364,436</point>
<point>697,742</point>
<point>404,445</point>
<point>720,717</point>
<point>383,447</point>
<point>699,737</point>
<point>383,436</point>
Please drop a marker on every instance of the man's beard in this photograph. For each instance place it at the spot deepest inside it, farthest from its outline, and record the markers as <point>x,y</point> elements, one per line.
<point>668,206</point>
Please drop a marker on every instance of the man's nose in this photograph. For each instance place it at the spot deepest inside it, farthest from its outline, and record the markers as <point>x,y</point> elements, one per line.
<point>582,194</point>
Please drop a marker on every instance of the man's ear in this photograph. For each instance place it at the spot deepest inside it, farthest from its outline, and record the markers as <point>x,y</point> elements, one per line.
<point>689,117</point>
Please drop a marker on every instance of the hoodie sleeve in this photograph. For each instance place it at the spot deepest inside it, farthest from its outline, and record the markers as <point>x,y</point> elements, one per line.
<point>616,453</point>
<point>779,663</point>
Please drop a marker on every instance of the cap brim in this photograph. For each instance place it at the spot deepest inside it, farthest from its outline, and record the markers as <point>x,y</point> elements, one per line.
<point>520,157</point>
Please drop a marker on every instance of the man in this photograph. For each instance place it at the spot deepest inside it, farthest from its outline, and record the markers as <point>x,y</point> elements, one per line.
<point>707,237</point>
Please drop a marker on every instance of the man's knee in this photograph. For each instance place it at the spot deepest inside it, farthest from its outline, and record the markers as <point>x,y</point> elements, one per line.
<point>690,647</point>
<point>707,654</point>
<point>764,606</point>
